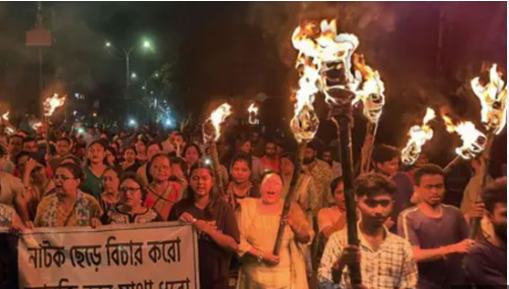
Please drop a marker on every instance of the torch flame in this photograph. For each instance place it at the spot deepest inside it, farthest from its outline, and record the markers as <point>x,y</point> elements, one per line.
<point>305,122</point>
<point>331,53</point>
<point>474,141</point>
<point>52,103</point>
<point>6,116</point>
<point>419,135</point>
<point>493,97</point>
<point>212,126</point>
<point>253,114</point>
<point>37,125</point>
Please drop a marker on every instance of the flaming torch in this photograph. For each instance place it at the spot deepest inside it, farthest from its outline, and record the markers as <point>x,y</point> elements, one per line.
<point>371,93</point>
<point>7,126</point>
<point>253,114</point>
<point>419,135</point>
<point>211,133</point>
<point>50,104</point>
<point>491,90</point>
<point>331,54</point>
<point>304,126</point>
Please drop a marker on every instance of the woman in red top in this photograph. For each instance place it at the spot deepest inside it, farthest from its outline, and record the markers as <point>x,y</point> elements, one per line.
<point>162,193</point>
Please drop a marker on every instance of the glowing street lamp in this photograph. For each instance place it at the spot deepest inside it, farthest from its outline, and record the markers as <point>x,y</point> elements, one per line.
<point>133,75</point>
<point>108,44</point>
<point>146,44</point>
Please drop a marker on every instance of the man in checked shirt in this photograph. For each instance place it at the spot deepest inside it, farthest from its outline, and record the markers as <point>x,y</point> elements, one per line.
<point>386,259</point>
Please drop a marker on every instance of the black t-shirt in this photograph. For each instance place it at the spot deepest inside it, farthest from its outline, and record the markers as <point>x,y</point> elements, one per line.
<point>486,264</point>
<point>214,261</point>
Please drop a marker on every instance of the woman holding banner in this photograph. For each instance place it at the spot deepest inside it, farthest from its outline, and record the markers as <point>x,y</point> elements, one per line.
<point>215,222</point>
<point>68,207</point>
<point>130,208</point>
<point>258,224</point>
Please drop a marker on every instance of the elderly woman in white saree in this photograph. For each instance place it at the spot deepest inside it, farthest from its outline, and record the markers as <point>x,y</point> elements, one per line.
<point>258,224</point>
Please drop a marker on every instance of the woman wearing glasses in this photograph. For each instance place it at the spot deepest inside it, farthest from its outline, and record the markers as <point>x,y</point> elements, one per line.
<point>68,207</point>
<point>130,208</point>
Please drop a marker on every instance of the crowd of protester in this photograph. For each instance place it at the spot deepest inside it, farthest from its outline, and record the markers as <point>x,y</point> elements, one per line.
<point>409,238</point>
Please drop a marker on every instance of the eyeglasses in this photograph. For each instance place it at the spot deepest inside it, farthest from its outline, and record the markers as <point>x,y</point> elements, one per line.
<point>129,190</point>
<point>62,177</point>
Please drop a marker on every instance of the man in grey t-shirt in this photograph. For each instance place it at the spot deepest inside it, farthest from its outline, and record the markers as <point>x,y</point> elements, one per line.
<point>438,233</point>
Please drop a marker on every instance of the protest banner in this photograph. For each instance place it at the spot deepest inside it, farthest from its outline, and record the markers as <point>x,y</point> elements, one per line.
<point>146,256</point>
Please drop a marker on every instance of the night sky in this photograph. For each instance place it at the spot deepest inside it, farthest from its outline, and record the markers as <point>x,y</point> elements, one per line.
<point>219,51</point>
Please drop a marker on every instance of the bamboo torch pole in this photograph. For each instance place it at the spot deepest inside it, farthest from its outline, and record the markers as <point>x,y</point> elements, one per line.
<point>485,157</point>
<point>343,120</point>
<point>289,197</point>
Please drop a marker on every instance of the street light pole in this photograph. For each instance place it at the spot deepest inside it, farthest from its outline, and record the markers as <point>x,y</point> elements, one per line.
<point>127,53</point>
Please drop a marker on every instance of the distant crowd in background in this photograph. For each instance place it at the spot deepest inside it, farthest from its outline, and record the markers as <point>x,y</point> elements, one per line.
<point>413,228</point>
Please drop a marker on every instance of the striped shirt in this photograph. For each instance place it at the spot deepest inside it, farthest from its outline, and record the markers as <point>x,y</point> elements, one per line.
<point>391,266</point>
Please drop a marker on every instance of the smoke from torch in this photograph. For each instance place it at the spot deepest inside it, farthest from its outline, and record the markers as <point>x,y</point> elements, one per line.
<point>474,141</point>
<point>419,135</point>
<point>493,98</point>
<point>253,114</point>
<point>212,126</point>
<point>52,103</point>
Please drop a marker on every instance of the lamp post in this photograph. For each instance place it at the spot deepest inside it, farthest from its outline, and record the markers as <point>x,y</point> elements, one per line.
<point>126,53</point>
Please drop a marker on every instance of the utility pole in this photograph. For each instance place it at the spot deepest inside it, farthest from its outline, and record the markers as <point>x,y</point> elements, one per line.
<point>39,37</point>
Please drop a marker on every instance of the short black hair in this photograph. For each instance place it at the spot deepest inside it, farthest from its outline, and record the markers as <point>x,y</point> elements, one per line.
<point>495,192</point>
<point>66,139</point>
<point>289,156</point>
<point>75,170</point>
<point>429,169</point>
<point>243,157</point>
<point>158,144</point>
<point>181,162</point>
<point>373,184</point>
<point>131,148</point>
<point>16,136</point>
<point>28,139</point>
<point>20,155</point>
<point>335,183</point>
<point>132,176</point>
<point>312,146</point>
<point>197,147</point>
<point>384,153</point>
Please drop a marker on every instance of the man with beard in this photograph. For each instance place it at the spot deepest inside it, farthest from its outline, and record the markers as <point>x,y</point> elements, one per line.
<point>386,160</point>
<point>486,264</point>
<point>386,259</point>
<point>321,173</point>
<point>438,233</point>
<point>271,159</point>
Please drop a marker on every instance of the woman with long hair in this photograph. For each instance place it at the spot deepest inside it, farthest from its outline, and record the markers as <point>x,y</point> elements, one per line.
<point>241,186</point>
<point>130,207</point>
<point>192,153</point>
<point>131,163</point>
<point>141,149</point>
<point>111,157</point>
<point>95,168</point>
<point>162,193</point>
<point>36,182</point>
<point>109,196</point>
<point>258,224</point>
<point>68,207</point>
<point>215,222</point>
<point>143,173</point>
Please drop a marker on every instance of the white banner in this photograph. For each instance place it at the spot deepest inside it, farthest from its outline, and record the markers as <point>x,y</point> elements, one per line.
<point>148,256</point>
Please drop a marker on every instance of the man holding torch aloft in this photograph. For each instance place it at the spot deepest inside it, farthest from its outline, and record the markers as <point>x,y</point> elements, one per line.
<point>386,260</point>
